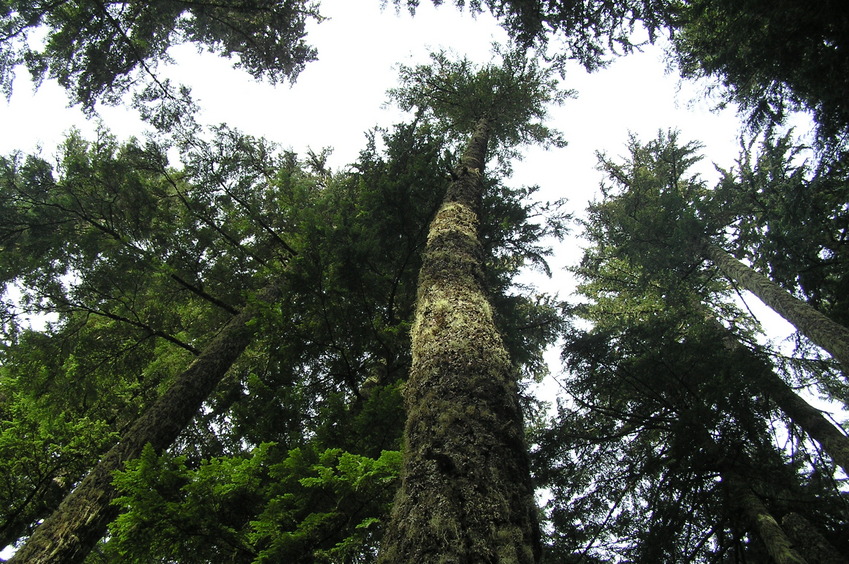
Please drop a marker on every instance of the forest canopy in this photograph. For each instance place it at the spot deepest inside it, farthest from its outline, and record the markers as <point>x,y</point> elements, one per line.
<point>218,348</point>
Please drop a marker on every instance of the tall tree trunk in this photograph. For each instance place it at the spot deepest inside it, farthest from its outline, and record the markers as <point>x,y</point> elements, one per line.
<point>821,330</point>
<point>69,534</point>
<point>831,438</point>
<point>466,493</point>
<point>757,517</point>
<point>810,419</point>
<point>761,520</point>
<point>814,547</point>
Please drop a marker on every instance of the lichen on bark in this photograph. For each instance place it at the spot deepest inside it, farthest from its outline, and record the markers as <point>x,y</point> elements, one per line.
<point>466,494</point>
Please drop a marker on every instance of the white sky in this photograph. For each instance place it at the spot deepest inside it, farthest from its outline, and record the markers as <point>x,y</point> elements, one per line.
<point>342,94</point>
<point>339,97</point>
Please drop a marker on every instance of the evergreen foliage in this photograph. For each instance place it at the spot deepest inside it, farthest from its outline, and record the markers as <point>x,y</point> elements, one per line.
<point>667,403</point>
<point>772,58</point>
<point>160,258</point>
<point>250,357</point>
<point>587,31</point>
<point>99,50</point>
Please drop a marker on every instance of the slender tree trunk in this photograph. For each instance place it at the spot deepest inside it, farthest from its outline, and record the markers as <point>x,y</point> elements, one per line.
<point>741,497</point>
<point>466,494</point>
<point>821,330</point>
<point>760,520</point>
<point>807,417</point>
<point>831,438</point>
<point>70,533</point>
<point>813,546</point>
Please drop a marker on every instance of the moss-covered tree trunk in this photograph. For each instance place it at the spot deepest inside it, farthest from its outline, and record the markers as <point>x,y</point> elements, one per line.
<point>466,494</point>
<point>70,533</point>
<point>760,520</point>
<point>821,330</point>
<point>809,541</point>
<point>832,439</point>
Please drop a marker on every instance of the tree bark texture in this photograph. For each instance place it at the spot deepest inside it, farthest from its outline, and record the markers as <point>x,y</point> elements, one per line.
<point>741,498</point>
<point>466,494</point>
<point>760,520</point>
<point>808,418</point>
<point>831,438</point>
<point>821,330</point>
<point>808,540</point>
<point>41,503</point>
<point>69,534</point>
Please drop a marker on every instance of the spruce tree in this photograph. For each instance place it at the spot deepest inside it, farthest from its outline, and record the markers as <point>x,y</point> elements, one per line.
<point>466,492</point>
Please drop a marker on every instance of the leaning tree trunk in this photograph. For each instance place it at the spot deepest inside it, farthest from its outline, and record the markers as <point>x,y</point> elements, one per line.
<point>759,518</point>
<point>821,330</point>
<point>70,533</point>
<point>810,419</point>
<point>831,438</point>
<point>744,501</point>
<point>810,542</point>
<point>466,493</point>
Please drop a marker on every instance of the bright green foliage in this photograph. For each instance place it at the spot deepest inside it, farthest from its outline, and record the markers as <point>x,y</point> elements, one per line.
<point>98,50</point>
<point>773,57</point>
<point>140,263</point>
<point>131,260</point>
<point>42,454</point>
<point>65,393</point>
<point>268,506</point>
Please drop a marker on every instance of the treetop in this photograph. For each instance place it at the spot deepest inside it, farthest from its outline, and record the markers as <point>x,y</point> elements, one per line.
<point>514,92</point>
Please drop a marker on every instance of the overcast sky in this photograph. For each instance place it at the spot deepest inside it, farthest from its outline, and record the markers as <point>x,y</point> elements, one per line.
<point>342,94</point>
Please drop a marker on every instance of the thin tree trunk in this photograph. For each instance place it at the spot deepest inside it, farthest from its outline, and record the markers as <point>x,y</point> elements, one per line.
<point>831,438</point>
<point>760,520</point>
<point>821,330</point>
<point>70,533</point>
<point>810,419</point>
<point>741,497</point>
<point>815,548</point>
<point>466,494</point>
